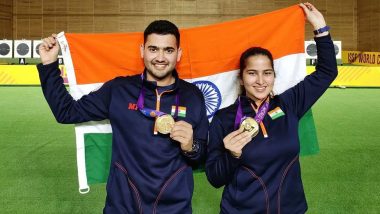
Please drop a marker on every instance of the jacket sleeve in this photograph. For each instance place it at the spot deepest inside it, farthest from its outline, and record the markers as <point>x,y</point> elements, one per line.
<point>303,95</point>
<point>220,164</point>
<point>200,132</point>
<point>93,106</point>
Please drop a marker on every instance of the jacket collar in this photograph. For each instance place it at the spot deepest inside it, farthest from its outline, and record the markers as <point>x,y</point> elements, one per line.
<point>246,103</point>
<point>152,85</point>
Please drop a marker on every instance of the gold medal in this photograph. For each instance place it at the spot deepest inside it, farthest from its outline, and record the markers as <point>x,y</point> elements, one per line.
<point>250,125</point>
<point>164,123</point>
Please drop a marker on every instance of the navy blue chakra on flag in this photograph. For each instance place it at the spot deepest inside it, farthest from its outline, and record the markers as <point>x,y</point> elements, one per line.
<point>212,96</point>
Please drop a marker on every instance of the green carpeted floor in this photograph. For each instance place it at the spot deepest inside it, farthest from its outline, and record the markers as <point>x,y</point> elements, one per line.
<point>38,161</point>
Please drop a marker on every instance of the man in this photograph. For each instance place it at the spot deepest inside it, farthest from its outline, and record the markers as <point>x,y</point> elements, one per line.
<point>153,145</point>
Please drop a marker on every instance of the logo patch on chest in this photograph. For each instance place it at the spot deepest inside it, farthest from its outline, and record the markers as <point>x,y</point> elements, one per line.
<point>132,106</point>
<point>276,113</point>
<point>181,111</point>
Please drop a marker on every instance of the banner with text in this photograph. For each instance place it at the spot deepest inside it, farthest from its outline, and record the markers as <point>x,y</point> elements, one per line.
<point>361,58</point>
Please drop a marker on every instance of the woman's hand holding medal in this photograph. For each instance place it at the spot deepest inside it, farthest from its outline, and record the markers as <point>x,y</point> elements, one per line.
<point>236,140</point>
<point>182,132</point>
<point>246,128</point>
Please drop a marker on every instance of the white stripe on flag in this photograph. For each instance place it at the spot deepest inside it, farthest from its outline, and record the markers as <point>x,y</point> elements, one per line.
<point>77,91</point>
<point>290,70</point>
<point>227,83</point>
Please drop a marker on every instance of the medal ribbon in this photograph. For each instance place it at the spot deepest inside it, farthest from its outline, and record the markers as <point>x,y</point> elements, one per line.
<point>151,112</point>
<point>263,110</point>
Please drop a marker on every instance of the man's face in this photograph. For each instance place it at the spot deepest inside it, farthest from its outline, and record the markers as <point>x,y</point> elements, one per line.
<point>160,54</point>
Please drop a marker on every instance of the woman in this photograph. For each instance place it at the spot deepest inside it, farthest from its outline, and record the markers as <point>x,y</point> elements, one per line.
<point>253,144</point>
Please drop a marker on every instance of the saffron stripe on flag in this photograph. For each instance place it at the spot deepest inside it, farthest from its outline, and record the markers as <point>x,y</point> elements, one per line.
<point>235,36</point>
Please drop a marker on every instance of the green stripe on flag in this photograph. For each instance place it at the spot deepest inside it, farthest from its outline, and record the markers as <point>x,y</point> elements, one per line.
<point>181,114</point>
<point>98,147</point>
<point>308,135</point>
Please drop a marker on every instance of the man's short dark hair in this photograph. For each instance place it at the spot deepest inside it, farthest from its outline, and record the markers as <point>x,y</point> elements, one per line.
<point>162,27</point>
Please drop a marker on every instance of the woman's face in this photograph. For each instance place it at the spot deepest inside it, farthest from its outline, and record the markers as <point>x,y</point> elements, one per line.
<point>258,78</point>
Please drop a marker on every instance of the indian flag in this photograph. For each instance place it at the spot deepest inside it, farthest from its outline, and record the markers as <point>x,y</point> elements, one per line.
<point>181,111</point>
<point>210,61</point>
<point>276,113</point>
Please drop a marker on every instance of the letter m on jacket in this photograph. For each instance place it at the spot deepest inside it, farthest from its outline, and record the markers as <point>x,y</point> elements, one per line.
<point>132,106</point>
